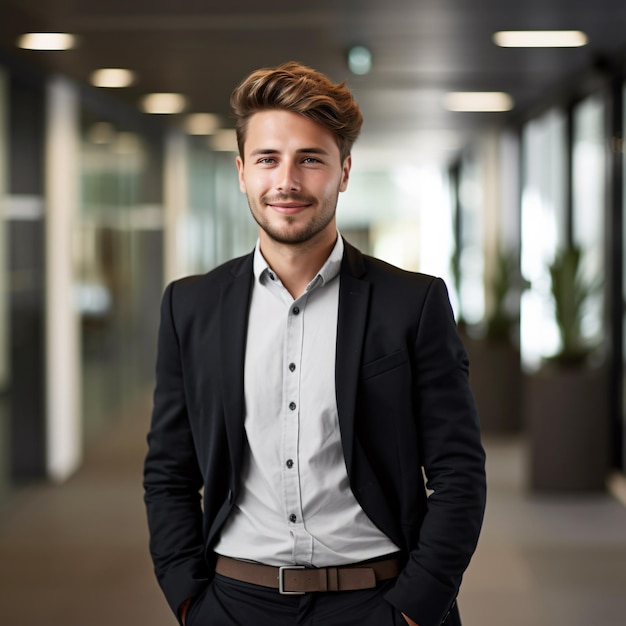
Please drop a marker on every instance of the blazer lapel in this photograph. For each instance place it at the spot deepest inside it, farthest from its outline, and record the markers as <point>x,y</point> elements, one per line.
<point>352,316</point>
<point>234,304</point>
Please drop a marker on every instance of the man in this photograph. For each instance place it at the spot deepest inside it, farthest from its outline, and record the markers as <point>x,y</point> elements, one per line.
<point>307,389</point>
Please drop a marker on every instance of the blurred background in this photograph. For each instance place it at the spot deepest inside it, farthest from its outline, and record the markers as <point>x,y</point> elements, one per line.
<point>491,155</point>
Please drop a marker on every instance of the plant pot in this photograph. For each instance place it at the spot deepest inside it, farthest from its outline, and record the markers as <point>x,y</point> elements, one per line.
<point>567,416</point>
<point>496,381</point>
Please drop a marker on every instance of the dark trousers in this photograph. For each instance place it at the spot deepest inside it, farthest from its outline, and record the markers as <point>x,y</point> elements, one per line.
<point>228,602</point>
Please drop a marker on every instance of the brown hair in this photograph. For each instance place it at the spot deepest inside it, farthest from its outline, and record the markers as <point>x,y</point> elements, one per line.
<point>299,89</point>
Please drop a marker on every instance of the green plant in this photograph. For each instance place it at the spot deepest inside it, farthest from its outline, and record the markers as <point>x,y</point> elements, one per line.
<point>570,293</point>
<point>506,287</point>
<point>501,320</point>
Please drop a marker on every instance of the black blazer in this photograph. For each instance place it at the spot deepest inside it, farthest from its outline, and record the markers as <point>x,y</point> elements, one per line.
<point>405,410</point>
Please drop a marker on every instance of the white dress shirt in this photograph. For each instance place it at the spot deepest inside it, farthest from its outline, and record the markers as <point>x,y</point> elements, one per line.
<point>295,505</point>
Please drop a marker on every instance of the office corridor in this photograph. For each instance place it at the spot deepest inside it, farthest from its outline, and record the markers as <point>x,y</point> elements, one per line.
<point>76,554</point>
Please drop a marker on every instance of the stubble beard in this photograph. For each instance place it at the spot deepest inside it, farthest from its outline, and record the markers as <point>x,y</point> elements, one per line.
<point>287,236</point>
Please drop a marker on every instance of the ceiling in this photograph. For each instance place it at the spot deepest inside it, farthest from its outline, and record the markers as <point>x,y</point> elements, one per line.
<point>421,49</point>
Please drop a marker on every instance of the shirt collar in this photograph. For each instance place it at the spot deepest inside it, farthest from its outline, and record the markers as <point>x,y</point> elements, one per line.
<point>328,271</point>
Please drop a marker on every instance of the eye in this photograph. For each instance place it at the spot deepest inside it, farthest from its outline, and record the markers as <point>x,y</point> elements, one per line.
<point>311,160</point>
<point>266,161</point>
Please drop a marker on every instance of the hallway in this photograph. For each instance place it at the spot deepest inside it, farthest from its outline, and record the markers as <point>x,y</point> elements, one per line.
<point>76,554</point>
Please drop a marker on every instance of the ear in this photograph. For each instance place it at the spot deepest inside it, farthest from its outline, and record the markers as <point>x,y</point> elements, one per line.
<point>242,184</point>
<point>345,173</point>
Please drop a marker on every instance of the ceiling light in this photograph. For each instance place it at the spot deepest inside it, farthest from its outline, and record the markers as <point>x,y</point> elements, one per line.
<point>359,60</point>
<point>540,38</point>
<point>487,101</point>
<point>112,77</point>
<point>46,41</point>
<point>201,123</point>
<point>163,103</point>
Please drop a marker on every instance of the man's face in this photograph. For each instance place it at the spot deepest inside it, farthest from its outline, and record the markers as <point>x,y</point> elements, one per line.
<point>292,175</point>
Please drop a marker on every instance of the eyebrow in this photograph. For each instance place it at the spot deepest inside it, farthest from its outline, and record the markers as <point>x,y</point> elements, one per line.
<point>263,151</point>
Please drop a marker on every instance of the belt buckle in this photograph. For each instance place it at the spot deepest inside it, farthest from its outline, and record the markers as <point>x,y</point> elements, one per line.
<point>281,580</point>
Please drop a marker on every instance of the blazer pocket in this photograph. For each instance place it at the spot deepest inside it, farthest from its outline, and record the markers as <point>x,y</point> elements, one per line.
<point>384,364</point>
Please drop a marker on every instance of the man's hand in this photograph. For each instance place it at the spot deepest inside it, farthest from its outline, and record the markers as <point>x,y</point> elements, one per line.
<point>409,621</point>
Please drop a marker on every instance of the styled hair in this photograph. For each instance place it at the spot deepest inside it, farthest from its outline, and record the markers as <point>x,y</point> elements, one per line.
<point>299,89</point>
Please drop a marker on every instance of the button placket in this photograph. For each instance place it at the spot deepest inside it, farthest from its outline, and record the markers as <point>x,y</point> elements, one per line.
<point>291,424</point>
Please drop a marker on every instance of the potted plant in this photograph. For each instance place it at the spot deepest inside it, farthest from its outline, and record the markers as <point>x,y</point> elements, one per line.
<point>567,399</point>
<point>495,372</point>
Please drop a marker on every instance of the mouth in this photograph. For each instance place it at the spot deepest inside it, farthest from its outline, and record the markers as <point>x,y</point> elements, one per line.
<point>288,207</point>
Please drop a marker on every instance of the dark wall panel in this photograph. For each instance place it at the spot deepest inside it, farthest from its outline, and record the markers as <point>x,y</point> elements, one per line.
<point>26,240</point>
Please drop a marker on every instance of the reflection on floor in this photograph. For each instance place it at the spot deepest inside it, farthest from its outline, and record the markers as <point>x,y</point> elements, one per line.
<point>75,555</point>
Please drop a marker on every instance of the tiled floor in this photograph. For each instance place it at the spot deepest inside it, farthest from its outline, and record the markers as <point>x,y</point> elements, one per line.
<point>76,555</point>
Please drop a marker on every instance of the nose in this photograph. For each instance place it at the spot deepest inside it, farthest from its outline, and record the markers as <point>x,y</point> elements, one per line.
<point>288,178</point>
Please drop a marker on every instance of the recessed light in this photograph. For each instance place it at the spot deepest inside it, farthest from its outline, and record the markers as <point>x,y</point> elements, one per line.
<point>540,38</point>
<point>201,124</point>
<point>163,103</point>
<point>46,41</point>
<point>478,101</point>
<point>112,77</point>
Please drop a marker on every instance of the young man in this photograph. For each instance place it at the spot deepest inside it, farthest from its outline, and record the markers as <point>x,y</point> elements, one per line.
<point>307,389</point>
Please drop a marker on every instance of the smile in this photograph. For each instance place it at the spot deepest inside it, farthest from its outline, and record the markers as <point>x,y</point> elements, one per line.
<point>288,208</point>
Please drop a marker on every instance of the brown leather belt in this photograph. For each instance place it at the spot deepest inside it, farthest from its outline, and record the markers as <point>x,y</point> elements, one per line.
<point>296,579</point>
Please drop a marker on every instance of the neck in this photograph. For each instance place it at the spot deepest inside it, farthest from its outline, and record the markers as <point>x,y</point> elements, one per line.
<point>297,264</point>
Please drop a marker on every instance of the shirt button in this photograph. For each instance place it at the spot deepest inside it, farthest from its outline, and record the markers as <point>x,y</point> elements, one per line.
<point>289,464</point>
<point>292,406</point>
<point>272,277</point>
<point>295,310</point>
<point>292,367</point>
<point>293,518</point>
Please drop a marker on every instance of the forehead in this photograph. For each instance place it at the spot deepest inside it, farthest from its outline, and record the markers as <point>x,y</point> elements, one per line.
<point>284,130</point>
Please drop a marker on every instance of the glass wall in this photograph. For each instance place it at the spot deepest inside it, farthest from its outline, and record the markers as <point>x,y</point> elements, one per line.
<point>543,229</point>
<point>120,248</point>
<point>589,182</point>
<point>471,242</point>
<point>548,228</point>
<point>119,262</point>
<point>218,225</point>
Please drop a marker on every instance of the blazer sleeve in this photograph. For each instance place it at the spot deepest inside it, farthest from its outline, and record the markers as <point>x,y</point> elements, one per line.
<point>454,466</point>
<point>172,479</point>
